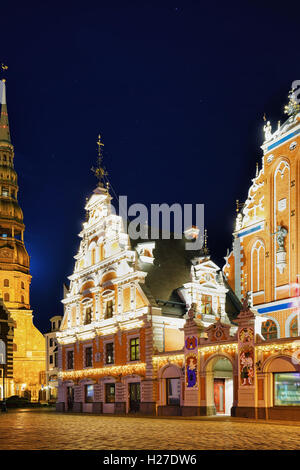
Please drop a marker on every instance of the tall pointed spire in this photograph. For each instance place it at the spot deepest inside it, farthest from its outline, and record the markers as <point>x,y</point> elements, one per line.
<point>4,126</point>
<point>100,172</point>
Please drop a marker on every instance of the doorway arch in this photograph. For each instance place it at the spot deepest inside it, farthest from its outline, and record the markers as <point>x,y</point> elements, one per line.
<point>219,373</point>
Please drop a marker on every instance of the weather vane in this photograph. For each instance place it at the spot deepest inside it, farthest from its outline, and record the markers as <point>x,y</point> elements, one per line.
<point>3,67</point>
<point>100,172</point>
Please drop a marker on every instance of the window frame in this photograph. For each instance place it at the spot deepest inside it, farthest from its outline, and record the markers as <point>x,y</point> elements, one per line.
<point>87,398</point>
<point>109,343</point>
<point>88,348</point>
<point>106,385</point>
<point>134,348</point>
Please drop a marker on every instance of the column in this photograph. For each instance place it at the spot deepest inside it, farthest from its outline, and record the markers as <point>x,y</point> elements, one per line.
<point>246,406</point>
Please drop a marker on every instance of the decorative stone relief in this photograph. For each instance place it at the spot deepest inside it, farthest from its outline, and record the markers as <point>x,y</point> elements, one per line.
<point>281,252</point>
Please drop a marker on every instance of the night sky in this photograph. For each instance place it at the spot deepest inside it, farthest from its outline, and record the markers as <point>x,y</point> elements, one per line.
<point>177,90</point>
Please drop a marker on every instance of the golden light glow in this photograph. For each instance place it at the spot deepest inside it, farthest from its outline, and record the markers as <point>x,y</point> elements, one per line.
<point>232,347</point>
<point>278,347</point>
<point>160,361</point>
<point>114,371</point>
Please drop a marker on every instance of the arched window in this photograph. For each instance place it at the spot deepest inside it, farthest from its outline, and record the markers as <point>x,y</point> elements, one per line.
<point>6,282</point>
<point>109,309</point>
<point>22,285</point>
<point>258,267</point>
<point>22,299</point>
<point>6,297</point>
<point>269,329</point>
<point>93,256</point>
<point>88,316</point>
<point>294,327</point>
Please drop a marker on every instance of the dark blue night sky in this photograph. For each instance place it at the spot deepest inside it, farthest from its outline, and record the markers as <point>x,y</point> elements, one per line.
<point>177,90</point>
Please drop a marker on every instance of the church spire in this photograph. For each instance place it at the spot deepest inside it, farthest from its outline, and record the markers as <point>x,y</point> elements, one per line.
<point>100,172</point>
<point>4,126</point>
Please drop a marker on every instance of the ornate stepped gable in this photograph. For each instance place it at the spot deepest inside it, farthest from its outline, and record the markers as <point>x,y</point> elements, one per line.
<point>105,281</point>
<point>265,256</point>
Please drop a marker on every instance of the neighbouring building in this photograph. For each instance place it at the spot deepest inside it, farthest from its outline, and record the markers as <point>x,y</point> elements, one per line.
<point>6,352</point>
<point>15,278</point>
<point>51,387</point>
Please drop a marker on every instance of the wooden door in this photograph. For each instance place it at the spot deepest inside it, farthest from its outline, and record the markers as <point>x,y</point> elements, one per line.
<point>219,395</point>
<point>70,398</point>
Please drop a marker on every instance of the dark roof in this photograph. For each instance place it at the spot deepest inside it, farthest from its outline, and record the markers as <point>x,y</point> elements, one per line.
<point>170,270</point>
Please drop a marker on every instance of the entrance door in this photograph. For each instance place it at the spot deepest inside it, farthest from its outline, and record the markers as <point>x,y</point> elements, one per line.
<point>70,398</point>
<point>219,395</point>
<point>134,397</point>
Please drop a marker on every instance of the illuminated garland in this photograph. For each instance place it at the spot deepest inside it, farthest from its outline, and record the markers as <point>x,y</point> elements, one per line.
<point>279,347</point>
<point>232,347</point>
<point>114,371</point>
<point>160,361</point>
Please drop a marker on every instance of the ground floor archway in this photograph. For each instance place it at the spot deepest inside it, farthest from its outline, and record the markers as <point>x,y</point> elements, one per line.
<point>219,386</point>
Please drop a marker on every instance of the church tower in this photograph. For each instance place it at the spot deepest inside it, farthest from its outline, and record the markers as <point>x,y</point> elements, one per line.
<point>29,348</point>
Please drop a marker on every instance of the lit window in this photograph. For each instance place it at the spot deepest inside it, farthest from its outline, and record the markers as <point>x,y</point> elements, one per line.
<point>70,360</point>
<point>206,304</point>
<point>109,309</point>
<point>89,393</point>
<point>109,353</point>
<point>294,327</point>
<point>88,316</point>
<point>269,329</point>
<point>88,356</point>
<point>287,389</point>
<point>135,349</point>
<point>173,391</point>
<point>109,393</point>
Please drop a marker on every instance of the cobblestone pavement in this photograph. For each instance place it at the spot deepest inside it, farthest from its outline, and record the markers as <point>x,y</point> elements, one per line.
<point>33,430</point>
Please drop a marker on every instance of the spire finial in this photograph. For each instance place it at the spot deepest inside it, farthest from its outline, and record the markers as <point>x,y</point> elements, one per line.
<point>3,68</point>
<point>100,172</point>
<point>4,126</point>
<point>256,173</point>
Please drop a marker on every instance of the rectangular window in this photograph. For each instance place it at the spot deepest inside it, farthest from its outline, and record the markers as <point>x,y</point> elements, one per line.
<point>89,393</point>
<point>287,389</point>
<point>109,393</point>
<point>206,304</point>
<point>51,342</point>
<point>88,356</point>
<point>109,353</point>
<point>134,349</point>
<point>109,309</point>
<point>70,360</point>
<point>51,359</point>
<point>173,391</point>
<point>55,359</point>
<point>88,316</point>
